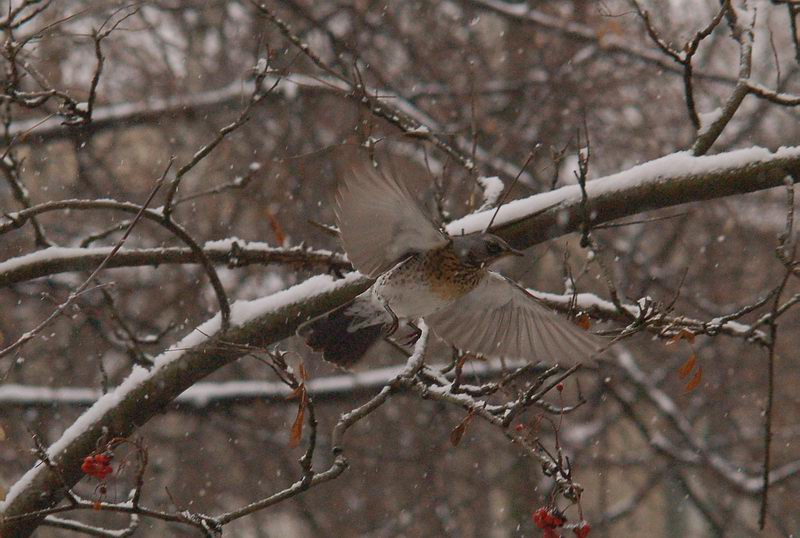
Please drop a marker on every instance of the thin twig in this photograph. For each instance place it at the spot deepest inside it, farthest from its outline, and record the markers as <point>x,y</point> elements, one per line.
<point>258,95</point>
<point>29,335</point>
<point>782,249</point>
<point>18,219</point>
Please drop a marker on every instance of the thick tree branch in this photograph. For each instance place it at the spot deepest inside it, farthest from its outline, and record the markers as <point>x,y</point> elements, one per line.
<point>664,182</point>
<point>146,392</point>
<point>669,181</point>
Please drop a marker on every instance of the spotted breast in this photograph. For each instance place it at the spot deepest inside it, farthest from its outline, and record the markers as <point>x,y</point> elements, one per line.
<point>424,283</point>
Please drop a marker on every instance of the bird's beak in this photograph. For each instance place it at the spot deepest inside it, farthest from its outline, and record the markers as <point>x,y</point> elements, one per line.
<point>515,252</point>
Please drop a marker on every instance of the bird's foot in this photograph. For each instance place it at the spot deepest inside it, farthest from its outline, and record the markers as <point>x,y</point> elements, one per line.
<point>391,328</point>
<point>413,336</point>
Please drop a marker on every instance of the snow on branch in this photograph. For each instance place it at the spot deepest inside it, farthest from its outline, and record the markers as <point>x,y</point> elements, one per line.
<point>671,180</point>
<point>493,188</point>
<point>202,395</point>
<point>234,252</point>
<point>146,391</point>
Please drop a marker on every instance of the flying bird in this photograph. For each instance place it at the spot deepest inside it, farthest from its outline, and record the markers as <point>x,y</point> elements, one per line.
<point>422,272</point>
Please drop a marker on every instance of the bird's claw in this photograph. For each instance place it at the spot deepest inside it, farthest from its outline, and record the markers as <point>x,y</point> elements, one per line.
<point>391,328</point>
<point>413,336</point>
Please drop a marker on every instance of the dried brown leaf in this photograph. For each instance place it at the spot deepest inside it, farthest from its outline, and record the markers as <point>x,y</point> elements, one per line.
<point>303,372</point>
<point>297,392</point>
<point>695,381</point>
<point>458,432</point>
<point>583,321</point>
<point>297,427</point>
<point>277,229</point>
<point>688,366</point>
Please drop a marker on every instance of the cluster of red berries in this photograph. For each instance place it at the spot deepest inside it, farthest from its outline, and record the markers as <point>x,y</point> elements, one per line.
<point>549,519</point>
<point>97,465</point>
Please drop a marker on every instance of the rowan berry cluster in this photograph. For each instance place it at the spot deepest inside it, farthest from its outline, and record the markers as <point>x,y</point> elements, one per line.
<point>97,465</point>
<point>549,519</point>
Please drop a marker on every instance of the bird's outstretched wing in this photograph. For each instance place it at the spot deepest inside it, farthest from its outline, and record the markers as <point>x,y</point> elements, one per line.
<point>379,218</point>
<point>500,319</point>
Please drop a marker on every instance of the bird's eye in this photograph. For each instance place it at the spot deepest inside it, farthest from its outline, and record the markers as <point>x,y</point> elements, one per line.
<point>494,248</point>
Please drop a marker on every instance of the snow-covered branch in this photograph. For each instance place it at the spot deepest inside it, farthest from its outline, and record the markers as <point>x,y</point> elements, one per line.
<point>668,181</point>
<point>203,395</point>
<point>145,392</point>
<point>233,252</point>
<point>671,180</point>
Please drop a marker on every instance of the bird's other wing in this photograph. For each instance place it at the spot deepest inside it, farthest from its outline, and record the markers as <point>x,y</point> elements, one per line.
<point>379,218</point>
<point>500,319</point>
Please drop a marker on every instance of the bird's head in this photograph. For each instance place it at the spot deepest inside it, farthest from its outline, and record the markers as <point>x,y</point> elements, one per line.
<point>483,249</point>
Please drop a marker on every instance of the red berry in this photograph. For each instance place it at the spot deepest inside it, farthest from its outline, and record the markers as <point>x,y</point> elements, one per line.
<point>548,518</point>
<point>519,427</point>
<point>97,466</point>
<point>560,387</point>
<point>539,518</point>
<point>556,520</point>
<point>582,530</point>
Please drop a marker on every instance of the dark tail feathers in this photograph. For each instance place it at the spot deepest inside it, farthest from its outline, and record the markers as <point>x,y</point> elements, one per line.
<point>333,335</point>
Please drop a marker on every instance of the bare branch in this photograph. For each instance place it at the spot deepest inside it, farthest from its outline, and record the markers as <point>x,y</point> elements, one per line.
<point>31,334</point>
<point>19,218</point>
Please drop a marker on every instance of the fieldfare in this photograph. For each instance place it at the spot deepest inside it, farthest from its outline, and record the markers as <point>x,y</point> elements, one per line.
<point>422,272</point>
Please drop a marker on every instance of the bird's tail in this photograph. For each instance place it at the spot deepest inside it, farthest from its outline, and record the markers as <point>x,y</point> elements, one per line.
<point>344,334</point>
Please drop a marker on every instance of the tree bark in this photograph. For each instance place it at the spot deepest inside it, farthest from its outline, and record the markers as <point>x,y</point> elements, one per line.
<point>131,405</point>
